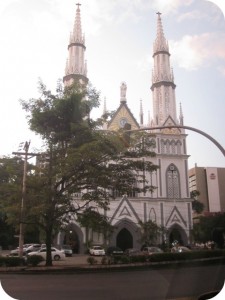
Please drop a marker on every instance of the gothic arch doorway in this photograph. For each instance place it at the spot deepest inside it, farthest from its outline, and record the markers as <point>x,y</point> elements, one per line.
<point>176,233</point>
<point>72,235</point>
<point>71,238</point>
<point>124,239</point>
<point>126,235</point>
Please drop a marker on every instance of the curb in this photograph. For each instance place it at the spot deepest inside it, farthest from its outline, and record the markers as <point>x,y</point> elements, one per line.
<point>84,268</point>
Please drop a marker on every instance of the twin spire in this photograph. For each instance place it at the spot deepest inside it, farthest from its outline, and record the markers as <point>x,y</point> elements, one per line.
<point>76,66</point>
<point>163,87</point>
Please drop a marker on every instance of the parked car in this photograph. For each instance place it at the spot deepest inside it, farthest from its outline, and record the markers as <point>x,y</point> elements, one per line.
<point>178,249</point>
<point>56,253</point>
<point>132,252</point>
<point>15,252</point>
<point>67,250</point>
<point>151,250</point>
<point>114,251</point>
<point>96,250</point>
<point>33,247</point>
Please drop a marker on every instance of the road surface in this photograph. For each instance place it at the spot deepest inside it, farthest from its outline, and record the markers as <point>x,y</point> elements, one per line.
<point>148,284</point>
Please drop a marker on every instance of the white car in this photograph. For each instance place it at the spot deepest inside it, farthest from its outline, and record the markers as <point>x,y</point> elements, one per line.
<point>96,250</point>
<point>56,253</point>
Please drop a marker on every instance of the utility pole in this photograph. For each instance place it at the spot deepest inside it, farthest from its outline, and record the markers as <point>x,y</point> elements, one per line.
<point>21,227</point>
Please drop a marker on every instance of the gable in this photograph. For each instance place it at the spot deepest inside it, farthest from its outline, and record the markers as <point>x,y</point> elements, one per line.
<point>175,217</point>
<point>125,209</point>
<point>169,122</point>
<point>122,115</point>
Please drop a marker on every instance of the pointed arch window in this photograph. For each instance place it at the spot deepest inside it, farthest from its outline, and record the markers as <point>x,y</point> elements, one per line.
<point>152,215</point>
<point>173,182</point>
<point>167,146</point>
<point>173,147</point>
<point>179,147</point>
<point>162,146</point>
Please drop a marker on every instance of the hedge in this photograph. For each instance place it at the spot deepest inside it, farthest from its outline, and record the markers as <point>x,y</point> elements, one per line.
<point>34,260</point>
<point>6,261</point>
<point>167,256</point>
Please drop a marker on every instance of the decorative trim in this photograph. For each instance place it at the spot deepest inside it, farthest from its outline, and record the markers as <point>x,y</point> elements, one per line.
<point>77,44</point>
<point>162,214</point>
<point>128,207</point>
<point>177,217</point>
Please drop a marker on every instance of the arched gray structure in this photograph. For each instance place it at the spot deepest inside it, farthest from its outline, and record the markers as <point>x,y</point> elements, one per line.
<point>183,127</point>
<point>134,230</point>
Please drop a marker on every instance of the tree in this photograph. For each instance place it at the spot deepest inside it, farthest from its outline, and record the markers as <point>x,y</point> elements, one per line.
<point>92,219</point>
<point>197,206</point>
<point>77,158</point>
<point>150,232</point>
<point>210,228</point>
<point>11,174</point>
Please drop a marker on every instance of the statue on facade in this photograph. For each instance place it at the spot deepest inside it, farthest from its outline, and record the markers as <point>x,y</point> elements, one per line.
<point>123,90</point>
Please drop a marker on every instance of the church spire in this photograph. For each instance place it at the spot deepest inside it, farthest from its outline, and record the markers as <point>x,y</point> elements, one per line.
<point>77,30</point>
<point>76,67</point>
<point>141,113</point>
<point>163,87</point>
<point>181,116</point>
<point>160,42</point>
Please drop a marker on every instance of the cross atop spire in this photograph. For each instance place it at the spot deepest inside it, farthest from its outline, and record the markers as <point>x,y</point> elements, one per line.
<point>160,42</point>
<point>78,5</point>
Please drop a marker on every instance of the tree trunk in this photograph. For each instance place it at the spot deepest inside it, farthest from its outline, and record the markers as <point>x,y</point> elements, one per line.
<point>48,246</point>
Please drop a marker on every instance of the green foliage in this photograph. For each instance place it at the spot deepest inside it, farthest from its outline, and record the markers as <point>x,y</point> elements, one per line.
<point>150,232</point>
<point>167,256</point>
<point>11,261</point>
<point>105,260</point>
<point>34,260</point>
<point>204,227</point>
<point>76,158</point>
<point>139,258</point>
<point>197,206</point>
<point>90,218</point>
<point>91,260</point>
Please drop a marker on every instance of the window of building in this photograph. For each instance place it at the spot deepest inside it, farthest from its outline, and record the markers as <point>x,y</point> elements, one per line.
<point>173,182</point>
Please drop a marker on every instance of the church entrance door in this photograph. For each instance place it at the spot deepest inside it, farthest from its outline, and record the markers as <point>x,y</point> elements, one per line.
<point>71,238</point>
<point>175,235</point>
<point>124,239</point>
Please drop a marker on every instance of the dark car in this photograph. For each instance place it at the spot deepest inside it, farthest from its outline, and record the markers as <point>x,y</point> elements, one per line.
<point>67,250</point>
<point>114,251</point>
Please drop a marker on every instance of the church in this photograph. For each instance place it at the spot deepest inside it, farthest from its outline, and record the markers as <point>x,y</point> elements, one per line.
<point>169,205</point>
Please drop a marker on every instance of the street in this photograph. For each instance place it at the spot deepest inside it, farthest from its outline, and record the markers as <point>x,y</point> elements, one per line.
<point>151,284</point>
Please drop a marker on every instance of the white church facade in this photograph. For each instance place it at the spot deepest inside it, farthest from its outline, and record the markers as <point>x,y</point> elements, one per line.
<point>169,205</point>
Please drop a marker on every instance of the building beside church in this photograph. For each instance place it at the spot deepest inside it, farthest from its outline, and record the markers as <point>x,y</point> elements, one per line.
<point>209,182</point>
<point>169,205</point>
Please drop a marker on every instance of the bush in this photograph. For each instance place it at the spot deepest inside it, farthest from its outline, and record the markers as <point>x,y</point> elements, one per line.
<point>139,258</point>
<point>11,261</point>
<point>168,256</point>
<point>34,260</point>
<point>105,260</point>
<point>91,260</point>
<point>124,260</point>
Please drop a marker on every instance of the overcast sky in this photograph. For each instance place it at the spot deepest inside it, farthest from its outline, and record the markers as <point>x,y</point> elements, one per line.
<point>119,38</point>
